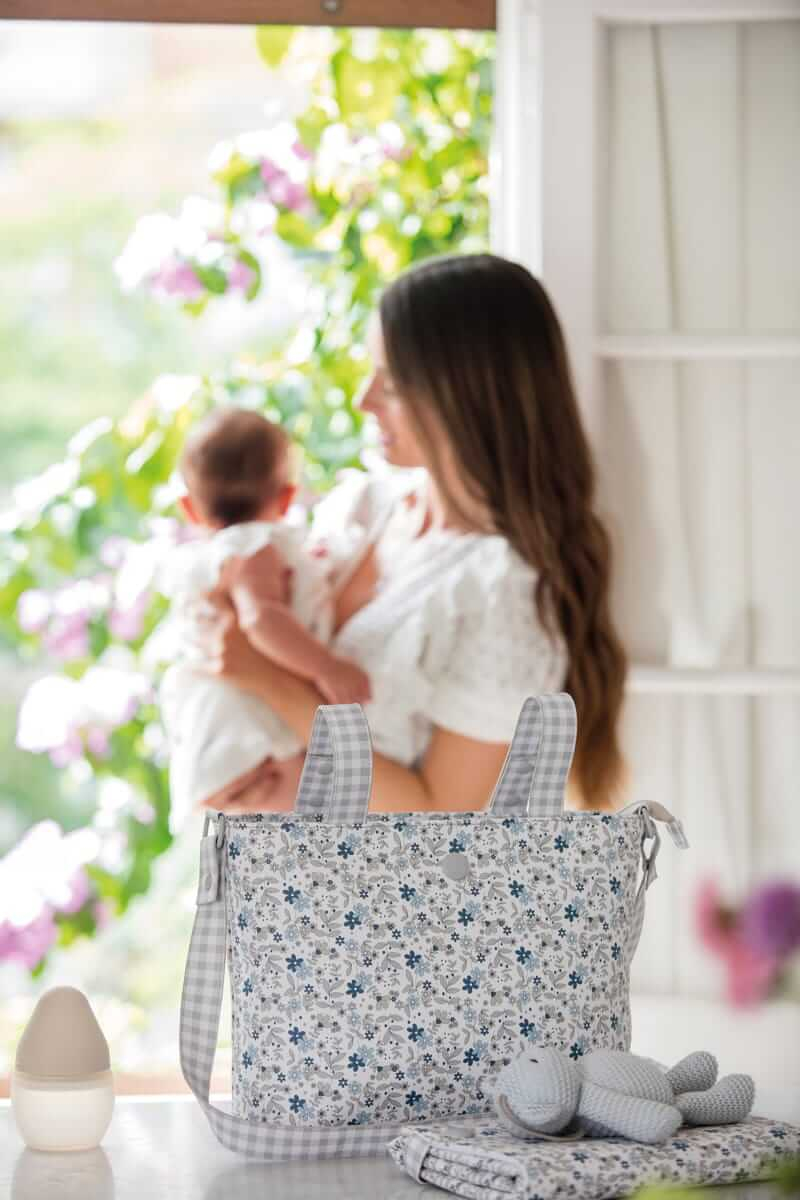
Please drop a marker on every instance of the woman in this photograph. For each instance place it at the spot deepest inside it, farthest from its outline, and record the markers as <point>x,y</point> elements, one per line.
<point>479,575</point>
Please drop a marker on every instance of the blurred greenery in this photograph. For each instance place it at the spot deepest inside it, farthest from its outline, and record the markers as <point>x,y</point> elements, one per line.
<point>386,164</point>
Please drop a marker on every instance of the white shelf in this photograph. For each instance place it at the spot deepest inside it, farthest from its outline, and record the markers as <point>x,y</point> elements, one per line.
<point>656,347</point>
<point>714,681</point>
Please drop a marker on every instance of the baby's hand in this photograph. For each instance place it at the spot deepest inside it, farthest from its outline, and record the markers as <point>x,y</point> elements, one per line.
<point>344,683</point>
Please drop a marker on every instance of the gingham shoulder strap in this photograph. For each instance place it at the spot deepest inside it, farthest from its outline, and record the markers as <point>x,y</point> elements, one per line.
<point>199,1025</point>
<point>535,770</point>
<point>337,773</point>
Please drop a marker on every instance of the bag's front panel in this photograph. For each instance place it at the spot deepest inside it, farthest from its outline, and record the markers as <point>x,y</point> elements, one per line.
<point>370,985</point>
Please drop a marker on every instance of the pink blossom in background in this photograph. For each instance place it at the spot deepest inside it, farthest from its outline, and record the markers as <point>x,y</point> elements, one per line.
<point>302,151</point>
<point>80,891</point>
<point>29,944</point>
<point>67,752</point>
<point>270,171</point>
<point>98,742</point>
<point>102,913</point>
<point>127,624</point>
<point>750,972</point>
<point>770,919</point>
<point>241,277</point>
<point>178,278</point>
<point>68,637</point>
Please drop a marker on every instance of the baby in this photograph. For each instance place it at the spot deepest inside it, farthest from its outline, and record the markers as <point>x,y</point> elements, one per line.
<point>237,469</point>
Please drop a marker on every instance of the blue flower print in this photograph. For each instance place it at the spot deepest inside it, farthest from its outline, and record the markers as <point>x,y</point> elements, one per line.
<point>355,1062</point>
<point>296,1104</point>
<point>413,959</point>
<point>345,848</point>
<point>575,980</point>
<point>561,843</point>
<point>467,915</point>
<point>571,912</point>
<point>576,1050</point>
<point>296,1036</point>
<point>352,919</point>
<point>407,892</point>
<point>415,1033</point>
<point>233,849</point>
<point>248,1058</point>
<point>354,988</point>
<point>413,1099</point>
<point>470,984</point>
<point>615,885</point>
<point>294,963</point>
<point>290,894</point>
<point>616,950</point>
<point>516,888</point>
<point>241,920</point>
<point>614,1022</point>
<point>524,956</point>
<point>457,845</point>
<point>471,1057</point>
<point>247,986</point>
<point>527,1029</point>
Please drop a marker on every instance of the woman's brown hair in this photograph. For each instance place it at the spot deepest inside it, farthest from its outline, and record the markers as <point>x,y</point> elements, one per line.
<point>474,340</point>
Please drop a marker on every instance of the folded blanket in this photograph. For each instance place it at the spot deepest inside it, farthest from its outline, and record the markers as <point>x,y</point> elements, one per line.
<point>477,1159</point>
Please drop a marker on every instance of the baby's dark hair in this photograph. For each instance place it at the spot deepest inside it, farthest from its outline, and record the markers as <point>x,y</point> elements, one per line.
<point>231,462</point>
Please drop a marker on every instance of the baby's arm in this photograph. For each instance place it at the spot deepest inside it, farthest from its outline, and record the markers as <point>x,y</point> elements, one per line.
<point>259,590</point>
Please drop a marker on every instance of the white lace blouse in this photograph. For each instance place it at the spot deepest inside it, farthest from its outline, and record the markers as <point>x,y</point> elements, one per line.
<point>451,637</point>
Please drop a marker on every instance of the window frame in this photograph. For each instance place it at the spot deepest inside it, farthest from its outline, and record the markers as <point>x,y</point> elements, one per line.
<point>445,14</point>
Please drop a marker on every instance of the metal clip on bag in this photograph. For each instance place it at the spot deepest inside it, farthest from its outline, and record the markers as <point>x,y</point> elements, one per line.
<point>383,967</point>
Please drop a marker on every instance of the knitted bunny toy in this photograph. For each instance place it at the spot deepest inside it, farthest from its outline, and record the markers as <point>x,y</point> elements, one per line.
<point>608,1093</point>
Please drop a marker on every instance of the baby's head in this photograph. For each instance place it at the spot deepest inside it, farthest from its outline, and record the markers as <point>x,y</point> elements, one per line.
<point>236,467</point>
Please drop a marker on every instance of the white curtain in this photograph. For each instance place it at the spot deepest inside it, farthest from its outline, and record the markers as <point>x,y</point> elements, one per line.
<point>700,460</point>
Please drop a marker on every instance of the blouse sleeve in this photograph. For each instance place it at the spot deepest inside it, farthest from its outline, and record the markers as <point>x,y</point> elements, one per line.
<point>487,651</point>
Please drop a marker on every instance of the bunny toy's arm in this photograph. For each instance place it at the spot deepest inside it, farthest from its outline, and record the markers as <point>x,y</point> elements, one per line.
<point>602,1112</point>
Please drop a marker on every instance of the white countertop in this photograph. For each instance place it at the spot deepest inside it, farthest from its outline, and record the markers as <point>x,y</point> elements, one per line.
<point>163,1149</point>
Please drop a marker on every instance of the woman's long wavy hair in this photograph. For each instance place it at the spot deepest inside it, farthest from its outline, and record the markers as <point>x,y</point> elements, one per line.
<point>475,341</point>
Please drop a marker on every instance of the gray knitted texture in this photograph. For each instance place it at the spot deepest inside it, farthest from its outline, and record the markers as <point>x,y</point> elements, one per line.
<point>610,1093</point>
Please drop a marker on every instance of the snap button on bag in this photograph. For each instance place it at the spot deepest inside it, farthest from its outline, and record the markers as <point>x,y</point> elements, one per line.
<point>455,866</point>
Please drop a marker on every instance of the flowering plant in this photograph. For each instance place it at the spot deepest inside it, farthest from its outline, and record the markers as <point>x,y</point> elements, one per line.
<point>374,155</point>
<point>755,941</point>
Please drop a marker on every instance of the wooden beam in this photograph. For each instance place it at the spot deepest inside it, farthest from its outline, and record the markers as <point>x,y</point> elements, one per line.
<point>431,14</point>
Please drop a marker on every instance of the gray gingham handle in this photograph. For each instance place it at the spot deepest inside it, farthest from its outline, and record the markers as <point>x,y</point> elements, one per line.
<point>534,773</point>
<point>201,1002</point>
<point>337,774</point>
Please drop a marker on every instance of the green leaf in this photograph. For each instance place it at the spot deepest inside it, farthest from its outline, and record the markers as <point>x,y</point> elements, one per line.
<point>213,279</point>
<point>273,41</point>
<point>367,89</point>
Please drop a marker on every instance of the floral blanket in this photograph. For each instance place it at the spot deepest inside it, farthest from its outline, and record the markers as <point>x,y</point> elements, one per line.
<point>476,1159</point>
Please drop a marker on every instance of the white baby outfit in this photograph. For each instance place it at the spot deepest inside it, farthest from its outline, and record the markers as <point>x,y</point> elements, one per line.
<point>217,732</point>
<point>450,639</point>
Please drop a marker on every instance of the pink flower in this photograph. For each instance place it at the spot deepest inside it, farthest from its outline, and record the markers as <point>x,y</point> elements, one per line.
<point>98,742</point>
<point>270,171</point>
<point>80,890</point>
<point>770,919</point>
<point>29,943</point>
<point>127,623</point>
<point>178,278</point>
<point>241,276</point>
<point>68,637</point>
<point>302,151</point>
<point>750,973</point>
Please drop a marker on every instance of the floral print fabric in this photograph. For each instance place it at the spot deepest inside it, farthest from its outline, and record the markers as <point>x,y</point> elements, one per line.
<point>481,1161</point>
<point>370,986</point>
